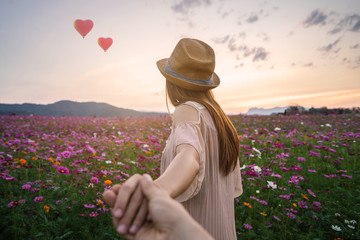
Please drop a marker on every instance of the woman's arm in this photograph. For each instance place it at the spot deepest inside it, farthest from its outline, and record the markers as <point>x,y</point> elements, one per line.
<point>181,171</point>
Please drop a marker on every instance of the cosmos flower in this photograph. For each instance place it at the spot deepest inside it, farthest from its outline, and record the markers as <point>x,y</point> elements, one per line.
<point>38,199</point>
<point>94,180</point>
<point>63,170</point>
<point>93,214</point>
<point>336,228</point>
<point>247,226</point>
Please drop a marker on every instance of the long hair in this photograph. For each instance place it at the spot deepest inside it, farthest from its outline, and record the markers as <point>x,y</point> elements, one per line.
<point>228,139</point>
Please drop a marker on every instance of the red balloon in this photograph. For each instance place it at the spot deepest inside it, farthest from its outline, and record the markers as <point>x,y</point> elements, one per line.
<point>105,43</point>
<point>83,26</point>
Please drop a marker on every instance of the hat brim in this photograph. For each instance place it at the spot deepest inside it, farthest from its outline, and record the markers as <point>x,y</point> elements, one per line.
<point>183,83</point>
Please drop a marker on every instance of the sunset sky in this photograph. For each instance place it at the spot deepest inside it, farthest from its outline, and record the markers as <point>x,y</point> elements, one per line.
<point>268,53</point>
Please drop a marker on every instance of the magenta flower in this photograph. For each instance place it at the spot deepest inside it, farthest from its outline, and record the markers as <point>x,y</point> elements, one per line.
<point>94,180</point>
<point>290,215</point>
<point>302,204</point>
<point>26,186</point>
<point>311,193</point>
<point>316,205</point>
<point>38,199</point>
<point>66,154</point>
<point>93,214</point>
<point>63,170</point>
<point>89,205</point>
<point>11,204</point>
<point>247,226</point>
<point>301,159</point>
<point>82,214</point>
<point>277,218</point>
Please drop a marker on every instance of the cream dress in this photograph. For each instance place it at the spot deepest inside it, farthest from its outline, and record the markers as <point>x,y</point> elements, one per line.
<point>210,197</point>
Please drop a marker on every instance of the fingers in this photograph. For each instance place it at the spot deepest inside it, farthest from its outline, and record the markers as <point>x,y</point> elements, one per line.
<point>149,188</point>
<point>140,217</point>
<point>131,211</point>
<point>125,194</point>
<point>109,197</point>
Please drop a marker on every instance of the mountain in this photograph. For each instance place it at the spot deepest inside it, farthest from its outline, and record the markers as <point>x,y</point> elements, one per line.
<point>70,108</point>
<point>263,111</point>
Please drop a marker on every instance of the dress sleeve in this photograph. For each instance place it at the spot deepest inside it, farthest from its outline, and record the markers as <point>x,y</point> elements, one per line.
<point>188,132</point>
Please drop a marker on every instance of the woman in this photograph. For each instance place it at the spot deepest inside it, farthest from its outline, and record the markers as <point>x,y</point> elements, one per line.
<point>199,165</point>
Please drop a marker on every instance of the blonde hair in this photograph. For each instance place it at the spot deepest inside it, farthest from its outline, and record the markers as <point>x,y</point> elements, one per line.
<point>228,139</point>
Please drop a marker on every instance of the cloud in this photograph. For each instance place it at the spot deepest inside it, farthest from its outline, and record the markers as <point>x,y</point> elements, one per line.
<point>348,23</point>
<point>264,36</point>
<point>184,6</point>
<point>242,50</point>
<point>260,54</point>
<point>355,46</point>
<point>308,64</point>
<point>253,18</point>
<point>330,47</point>
<point>316,17</point>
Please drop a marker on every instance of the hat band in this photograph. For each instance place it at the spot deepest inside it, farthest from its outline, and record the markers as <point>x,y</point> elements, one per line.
<point>171,72</point>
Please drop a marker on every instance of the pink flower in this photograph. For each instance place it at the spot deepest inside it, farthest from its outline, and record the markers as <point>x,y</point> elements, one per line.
<point>38,199</point>
<point>247,226</point>
<point>290,215</point>
<point>277,218</point>
<point>89,205</point>
<point>93,214</point>
<point>11,204</point>
<point>94,180</point>
<point>311,193</point>
<point>302,204</point>
<point>316,206</point>
<point>63,170</point>
<point>26,186</point>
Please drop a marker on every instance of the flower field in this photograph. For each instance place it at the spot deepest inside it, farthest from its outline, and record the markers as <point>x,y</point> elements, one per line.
<point>300,174</point>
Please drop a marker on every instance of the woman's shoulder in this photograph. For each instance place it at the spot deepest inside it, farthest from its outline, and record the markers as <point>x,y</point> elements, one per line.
<point>185,113</point>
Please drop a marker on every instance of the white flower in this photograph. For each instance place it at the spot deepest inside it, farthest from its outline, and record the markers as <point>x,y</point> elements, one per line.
<point>108,162</point>
<point>272,184</point>
<point>243,167</point>
<point>328,125</point>
<point>91,185</point>
<point>351,226</point>
<point>257,191</point>
<point>321,125</point>
<point>277,129</point>
<point>302,123</point>
<point>353,222</point>
<point>119,133</point>
<point>257,169</point>
<point>346,221</point>
<point>95,135</point>
<point>336,228</point>
<point>145,146</point>
<point>337,214</point>
<point>256,131</point>
<point>103,154</point>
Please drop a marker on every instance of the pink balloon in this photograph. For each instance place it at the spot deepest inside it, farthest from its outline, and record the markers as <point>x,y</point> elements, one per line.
<point>83,26</point>
<point>105,43</point>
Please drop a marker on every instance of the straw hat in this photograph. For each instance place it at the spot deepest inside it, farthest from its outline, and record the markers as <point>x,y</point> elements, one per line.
<point>190,66</point>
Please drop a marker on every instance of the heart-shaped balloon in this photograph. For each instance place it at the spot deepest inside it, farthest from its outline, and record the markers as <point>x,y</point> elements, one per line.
<point>105,43</point>
<point>83,26</point>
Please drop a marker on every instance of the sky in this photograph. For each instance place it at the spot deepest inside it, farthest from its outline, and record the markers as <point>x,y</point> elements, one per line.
<point>268,53</point>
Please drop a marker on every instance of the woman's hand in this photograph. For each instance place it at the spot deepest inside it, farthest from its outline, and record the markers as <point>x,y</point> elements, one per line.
<point>129,207</point>
<point>169,219</point>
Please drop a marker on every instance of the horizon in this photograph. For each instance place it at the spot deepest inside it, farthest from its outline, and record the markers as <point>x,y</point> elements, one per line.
<point>268,54</point>
<point>259,108</point>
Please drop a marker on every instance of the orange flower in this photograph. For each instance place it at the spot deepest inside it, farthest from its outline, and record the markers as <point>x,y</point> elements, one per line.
<point>57,163</point>
<point>46,208</point>
<point>99,202</point>
<point>247,204</point>
<point>304,196</point>
<point>108,182</point>
<point>263,213</point>
<point>294,204</point>
<point>34,158</point>
<point>22,161</point>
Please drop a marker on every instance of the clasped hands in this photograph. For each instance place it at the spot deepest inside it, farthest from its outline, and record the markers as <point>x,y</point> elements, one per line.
<point>143,210</point>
